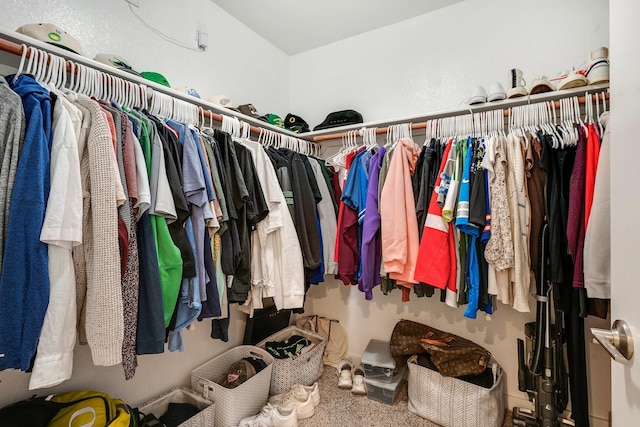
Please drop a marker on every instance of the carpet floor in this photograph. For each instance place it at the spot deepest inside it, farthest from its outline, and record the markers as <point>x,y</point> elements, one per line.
<point>341,408</point>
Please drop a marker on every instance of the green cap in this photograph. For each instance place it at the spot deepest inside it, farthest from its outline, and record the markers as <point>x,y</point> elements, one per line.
<point>273,119</point>
<point>155,77</point>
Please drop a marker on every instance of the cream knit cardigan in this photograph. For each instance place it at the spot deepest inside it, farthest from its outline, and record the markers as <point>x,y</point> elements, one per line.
<point>103,308</point>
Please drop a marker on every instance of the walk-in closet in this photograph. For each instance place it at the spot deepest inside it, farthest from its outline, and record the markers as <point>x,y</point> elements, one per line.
<point>256,130</point>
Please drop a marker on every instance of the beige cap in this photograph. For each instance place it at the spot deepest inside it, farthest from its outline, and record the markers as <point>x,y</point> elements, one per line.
<point>222,100</point>
<point>50,33</point>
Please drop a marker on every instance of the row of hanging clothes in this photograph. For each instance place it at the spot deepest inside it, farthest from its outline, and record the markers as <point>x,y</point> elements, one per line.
<point>469,212</point>
<point>463,213</point>
<point>126,219</point>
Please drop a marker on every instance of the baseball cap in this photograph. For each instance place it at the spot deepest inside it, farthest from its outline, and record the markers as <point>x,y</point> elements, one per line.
<point>295,123</point>
<point>223,101</point>
<point>116,61</point>
<point>249,110</point>
<point>340,118</point>
<point>52,34</point>
<point>189,91</point>
<point>273,119</point>
<point>155,77</point>
<point>238,373</point>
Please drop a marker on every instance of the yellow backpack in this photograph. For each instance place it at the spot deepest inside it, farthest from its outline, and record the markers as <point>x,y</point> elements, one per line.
<point>91,409</point>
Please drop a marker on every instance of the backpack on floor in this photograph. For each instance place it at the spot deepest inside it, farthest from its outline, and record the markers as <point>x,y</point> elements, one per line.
<point>72,409</point>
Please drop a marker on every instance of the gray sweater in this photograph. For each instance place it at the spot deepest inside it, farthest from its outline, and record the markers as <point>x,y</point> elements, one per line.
<point>11,136</point>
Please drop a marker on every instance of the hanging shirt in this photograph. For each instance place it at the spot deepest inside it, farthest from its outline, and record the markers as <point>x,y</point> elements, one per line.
<point>518,209</point>
<point>436,264</point>
<point>12,124</point>
<point>61,230</point>
<point>371,253</point>
<point>255,211</point>
<point>347,239</point>
<point>305,211</point>
<point>536,178</point>
<point>24,282</point>
<point>499,251</point>
<point>328,220</point>
<point>163,211</point>
<point>104,311</point>
<point>276,254</point>
<point>576,213</point>
<point>591,168</point>
<point>150,333</point>
<point>398,217</point>
<point>597,242</point>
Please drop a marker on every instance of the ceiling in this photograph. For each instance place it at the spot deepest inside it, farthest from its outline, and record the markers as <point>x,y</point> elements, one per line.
<point>296,26</point>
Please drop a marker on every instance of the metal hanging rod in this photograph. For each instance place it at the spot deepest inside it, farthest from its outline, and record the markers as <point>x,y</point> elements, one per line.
<point>420,121</point>
<point>12,42</point>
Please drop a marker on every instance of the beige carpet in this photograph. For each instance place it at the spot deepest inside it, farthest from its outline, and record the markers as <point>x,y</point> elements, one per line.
<point>341,408</point>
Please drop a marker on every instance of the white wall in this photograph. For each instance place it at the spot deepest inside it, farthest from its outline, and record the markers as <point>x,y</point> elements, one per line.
<point>155,374</point>
<point>432,62</point>
<point>238,62</point>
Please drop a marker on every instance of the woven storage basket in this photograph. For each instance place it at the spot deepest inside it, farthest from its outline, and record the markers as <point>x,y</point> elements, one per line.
<point>159,405</point>
<point>303,369</point>
<point>452,402</point>
<point>233,404</point>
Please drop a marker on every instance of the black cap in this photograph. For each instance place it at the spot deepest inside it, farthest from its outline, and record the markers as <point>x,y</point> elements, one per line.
<point>340,118</point>
<point>295,123</point>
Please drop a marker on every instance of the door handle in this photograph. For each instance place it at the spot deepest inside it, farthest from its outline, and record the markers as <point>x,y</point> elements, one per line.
<point>618,341</point>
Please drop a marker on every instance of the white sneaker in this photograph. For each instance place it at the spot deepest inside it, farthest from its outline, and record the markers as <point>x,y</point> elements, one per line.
<point>344,374</point>
<point>568,80</point>
<point>496,93</point>
<point>272,416</point>
<point>359,387</point>
<point>598,72</point>
<point>310,389</point>
<point>301,400</point>
<point>541,85</point>
<point>478,96</point>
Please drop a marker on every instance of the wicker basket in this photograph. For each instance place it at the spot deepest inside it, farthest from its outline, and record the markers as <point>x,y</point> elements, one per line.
<point>452,402</point>
<point>233,404</point>
<point>159,405</point>
<point>303,369</point>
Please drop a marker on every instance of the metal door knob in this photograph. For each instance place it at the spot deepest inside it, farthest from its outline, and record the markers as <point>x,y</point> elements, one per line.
<point>618,342</point>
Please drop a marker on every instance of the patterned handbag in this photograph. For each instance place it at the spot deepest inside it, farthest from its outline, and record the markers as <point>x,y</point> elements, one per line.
<point>454,356</point>
<point>452,402</point>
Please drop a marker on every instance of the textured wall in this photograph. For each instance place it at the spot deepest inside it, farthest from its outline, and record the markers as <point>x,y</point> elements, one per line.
<point>238,62</point>
<point>432,62</point>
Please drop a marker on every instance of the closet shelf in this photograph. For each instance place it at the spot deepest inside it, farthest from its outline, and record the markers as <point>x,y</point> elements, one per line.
<point>12,42</point>
<point>419,121</point>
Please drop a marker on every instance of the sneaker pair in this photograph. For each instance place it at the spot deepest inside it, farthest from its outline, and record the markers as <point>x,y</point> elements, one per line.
<point>480,96</point>
<point>272,416</point>
<point>568,80</point>
<point>597,69</point>
<point>351,378</point>
<point>303,398</point>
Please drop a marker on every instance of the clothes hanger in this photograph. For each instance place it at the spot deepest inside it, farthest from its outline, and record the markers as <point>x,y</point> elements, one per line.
<point>33,59</point>
<point>600,125</point>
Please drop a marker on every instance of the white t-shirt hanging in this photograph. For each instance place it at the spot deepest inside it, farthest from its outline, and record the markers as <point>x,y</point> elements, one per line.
<point>328,221</point>
<point>279,257</point>
<point>61,230</point>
